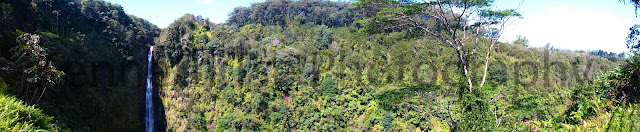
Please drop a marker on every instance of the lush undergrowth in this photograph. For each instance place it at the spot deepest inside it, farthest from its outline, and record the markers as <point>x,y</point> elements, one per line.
<point>609,105</point>
<point>312,77</point>
<point>283,65</point>
<point>17,116</point>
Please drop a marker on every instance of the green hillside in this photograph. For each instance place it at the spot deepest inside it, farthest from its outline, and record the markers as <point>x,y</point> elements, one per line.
<point>289,73</point>
<point>304,65</point>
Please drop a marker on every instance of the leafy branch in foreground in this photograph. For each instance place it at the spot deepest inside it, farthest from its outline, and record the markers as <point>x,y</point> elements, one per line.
<point>34,68</point>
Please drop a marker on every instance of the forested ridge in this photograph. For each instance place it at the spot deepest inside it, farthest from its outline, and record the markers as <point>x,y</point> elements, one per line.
<point>80,61</point>
<point>265,70</point>
<point>308,65</point>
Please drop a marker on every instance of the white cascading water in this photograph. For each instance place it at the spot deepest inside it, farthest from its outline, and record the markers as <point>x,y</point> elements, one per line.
<point>148,117</point>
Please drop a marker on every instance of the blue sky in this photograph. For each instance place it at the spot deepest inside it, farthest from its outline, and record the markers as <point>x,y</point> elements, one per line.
<point>164,12</point>
<point>566,24</point>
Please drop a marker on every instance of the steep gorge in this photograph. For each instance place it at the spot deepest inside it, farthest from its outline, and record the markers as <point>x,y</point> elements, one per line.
<point>101,51</point>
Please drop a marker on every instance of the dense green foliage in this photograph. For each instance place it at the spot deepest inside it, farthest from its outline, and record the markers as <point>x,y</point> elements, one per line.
<point>81,61</point>
<point>274,77</point>
<point>16,116</point>
<point>285,12</point>
<point>308,65</point>
<point>621,84</point>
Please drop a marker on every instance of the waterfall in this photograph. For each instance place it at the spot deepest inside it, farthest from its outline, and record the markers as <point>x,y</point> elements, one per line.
<point>148,117</point>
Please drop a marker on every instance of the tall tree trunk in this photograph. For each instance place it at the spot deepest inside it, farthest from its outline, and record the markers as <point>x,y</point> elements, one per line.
<point>466,73</point>
<point>486,64</point>
<point>463,60</point>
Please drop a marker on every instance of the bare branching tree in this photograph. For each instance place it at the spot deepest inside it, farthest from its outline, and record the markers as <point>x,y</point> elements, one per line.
<point>459,24</point>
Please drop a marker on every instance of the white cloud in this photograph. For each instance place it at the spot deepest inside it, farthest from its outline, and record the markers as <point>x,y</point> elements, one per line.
<point>206,1</point>
<point>568,27</point>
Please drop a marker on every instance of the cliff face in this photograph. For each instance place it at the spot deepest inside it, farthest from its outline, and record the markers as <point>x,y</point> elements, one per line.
<point>100,48</point>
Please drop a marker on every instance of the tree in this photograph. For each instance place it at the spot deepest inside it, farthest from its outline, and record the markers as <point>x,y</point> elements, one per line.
<point>328,86</point>
<point>633,42</point>
<point>32,62</point>
<point>309,72</point>
<point>452,22</point>
<point>521,41</point>
<point>636,4</point>
<point>323,37</point>
<point>6,11</point>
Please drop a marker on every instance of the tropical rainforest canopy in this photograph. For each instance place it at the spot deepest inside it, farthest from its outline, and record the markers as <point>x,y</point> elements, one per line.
<point>307,65</point>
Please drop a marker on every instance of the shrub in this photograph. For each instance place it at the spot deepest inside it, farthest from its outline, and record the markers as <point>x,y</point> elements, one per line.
<point>16,116</point>
<point>329,86</point>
